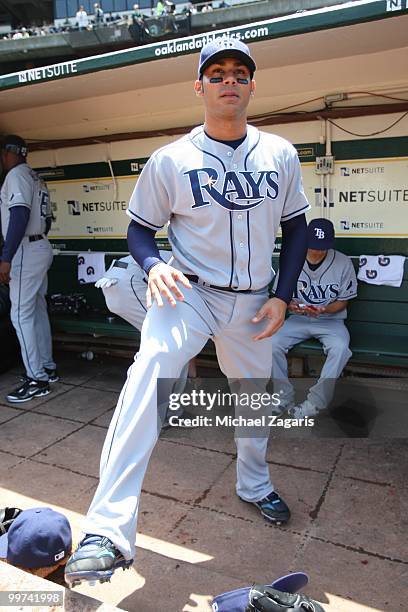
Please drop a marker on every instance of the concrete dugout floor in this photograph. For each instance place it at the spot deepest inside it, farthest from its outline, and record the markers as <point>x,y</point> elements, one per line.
<point>196,539</point>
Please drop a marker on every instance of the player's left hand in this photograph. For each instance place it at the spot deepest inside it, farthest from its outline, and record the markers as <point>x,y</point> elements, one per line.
<point>5,272</point>
<point>274,310</point>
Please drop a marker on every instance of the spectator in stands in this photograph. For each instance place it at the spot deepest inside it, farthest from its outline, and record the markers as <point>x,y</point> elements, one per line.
<point>207,8</point>
<point>169,7</point>
<point>82,19</point>
<point>99,15</point>
<point>137,17</point>
<point>189,9</point>
<point>317,310</point>
<point>159,8</point>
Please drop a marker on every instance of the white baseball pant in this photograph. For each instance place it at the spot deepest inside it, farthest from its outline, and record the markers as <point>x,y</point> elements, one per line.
<point>170,338</point>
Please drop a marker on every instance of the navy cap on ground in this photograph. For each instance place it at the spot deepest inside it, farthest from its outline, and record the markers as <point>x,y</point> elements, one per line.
<point>320,234</point>
<point>225,47</point>
<point>38,537</point>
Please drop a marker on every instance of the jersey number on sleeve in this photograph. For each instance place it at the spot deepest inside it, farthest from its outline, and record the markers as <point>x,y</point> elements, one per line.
<point>44,204</point>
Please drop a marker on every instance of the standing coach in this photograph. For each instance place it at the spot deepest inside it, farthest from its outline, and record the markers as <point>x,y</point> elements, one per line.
<point>26,258</point>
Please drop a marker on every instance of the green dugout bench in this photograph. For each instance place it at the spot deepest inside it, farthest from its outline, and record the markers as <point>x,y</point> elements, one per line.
<point>377,320</point>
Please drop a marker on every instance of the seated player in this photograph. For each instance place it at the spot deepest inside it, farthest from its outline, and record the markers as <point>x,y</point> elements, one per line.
<point>317,310</point>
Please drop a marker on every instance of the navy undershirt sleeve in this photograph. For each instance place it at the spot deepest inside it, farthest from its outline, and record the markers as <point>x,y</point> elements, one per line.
<point>142,246</point>
<point>19,217</point>
<point>292,257</point>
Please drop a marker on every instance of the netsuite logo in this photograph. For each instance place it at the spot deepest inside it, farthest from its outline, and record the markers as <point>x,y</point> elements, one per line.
<point>347,171</point>
<point>328,197</point>
<point>360,225</point>
<point>88,187</point>
<point>74,207</point>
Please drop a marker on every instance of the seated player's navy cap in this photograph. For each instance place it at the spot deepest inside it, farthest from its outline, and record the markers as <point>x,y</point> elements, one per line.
<point>225,47</point>
<point>38,537</point>
<point>320,234</point>
<point>14,144</point>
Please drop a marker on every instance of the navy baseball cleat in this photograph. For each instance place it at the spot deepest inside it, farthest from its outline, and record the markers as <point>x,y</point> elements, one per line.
<point>53,375</point>
<point>96,558</point>
<point>273,508</point>
<point>28,390</point>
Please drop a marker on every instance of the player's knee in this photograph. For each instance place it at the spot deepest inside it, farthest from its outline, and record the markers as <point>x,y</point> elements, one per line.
<point>171,358</point>
<point>340,347</point>
<point>278,345</point>
<point>20,315</point>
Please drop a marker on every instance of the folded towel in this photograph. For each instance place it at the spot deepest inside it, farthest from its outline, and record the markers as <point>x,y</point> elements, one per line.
<point>91,266</point>
<point>381,269</point>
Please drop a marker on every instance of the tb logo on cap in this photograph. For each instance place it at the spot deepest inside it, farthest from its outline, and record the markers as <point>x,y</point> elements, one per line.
<point>319,233</point>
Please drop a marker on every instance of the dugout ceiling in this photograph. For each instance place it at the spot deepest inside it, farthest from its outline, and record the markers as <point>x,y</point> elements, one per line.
<point>359,47</point>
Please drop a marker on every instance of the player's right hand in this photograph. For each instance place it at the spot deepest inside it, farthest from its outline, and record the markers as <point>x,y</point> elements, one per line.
<point>162,282</point>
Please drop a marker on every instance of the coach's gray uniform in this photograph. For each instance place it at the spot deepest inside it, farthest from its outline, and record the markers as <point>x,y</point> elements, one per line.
<point>224,207</point>
<point>334,280</point>
<point>28,274</point>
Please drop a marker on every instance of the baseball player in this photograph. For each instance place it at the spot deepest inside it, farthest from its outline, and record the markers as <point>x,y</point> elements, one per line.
<point>318,310</point>
<point>225,187</point>
<point>124,287</point>
<point>26,258</point>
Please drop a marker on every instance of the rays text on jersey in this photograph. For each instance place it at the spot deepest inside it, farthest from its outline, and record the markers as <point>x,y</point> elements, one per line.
<point>316,293</point>
<point>236,190</point>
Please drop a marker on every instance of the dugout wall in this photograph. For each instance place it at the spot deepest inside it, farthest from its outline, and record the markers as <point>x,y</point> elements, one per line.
<point>333,81</point>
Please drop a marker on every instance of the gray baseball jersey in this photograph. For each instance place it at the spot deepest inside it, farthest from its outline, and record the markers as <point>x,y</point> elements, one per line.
<point>335,279</point>
<point>23,187</point>
<point>224,205</point>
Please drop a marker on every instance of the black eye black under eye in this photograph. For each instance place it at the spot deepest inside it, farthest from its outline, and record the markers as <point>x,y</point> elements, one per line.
<point>216,80</point>
<point>243,81</point>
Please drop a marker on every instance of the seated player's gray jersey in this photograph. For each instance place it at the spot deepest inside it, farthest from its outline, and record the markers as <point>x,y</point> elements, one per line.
<point>23,187</point>
<point>224,205</point>
<point>335,279</point>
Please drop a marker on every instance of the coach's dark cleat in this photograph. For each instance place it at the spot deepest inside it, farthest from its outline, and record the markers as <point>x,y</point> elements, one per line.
<point>96,558</point>
<point>28,390</point>
<point>53,375</point>
<point>273,508</point>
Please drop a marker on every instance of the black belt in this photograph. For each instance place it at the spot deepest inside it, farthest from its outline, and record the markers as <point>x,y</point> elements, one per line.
<point>195,279</point>
<point>35,237</point>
